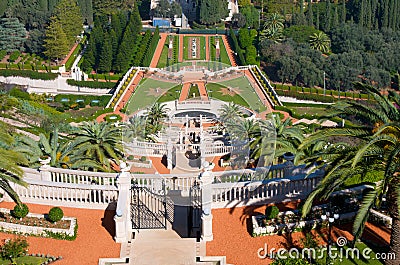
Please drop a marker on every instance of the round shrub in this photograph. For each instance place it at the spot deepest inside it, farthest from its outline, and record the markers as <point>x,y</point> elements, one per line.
<point>55,214</point>
<point>143,158</point>
<point>271,212</point>
<point>20,211</point>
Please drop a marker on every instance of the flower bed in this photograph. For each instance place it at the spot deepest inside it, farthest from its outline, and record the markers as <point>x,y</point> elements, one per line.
<point>38,225</point>
<point>291,221</point>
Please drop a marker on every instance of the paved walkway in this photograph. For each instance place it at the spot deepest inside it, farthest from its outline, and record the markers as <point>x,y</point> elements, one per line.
<point>184,92</point>
<point>94,240</point>
<point>231,53</point>
<point>158,51</point>
<point>203,91</point>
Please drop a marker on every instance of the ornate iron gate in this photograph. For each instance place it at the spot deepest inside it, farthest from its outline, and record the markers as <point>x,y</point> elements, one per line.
<point>148,209</point>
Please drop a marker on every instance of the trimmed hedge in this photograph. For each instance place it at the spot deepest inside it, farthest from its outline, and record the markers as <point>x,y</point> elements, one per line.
<point>92,84</point>
<point>2,54</point>
<point>14,56</point>
<point>28,73</point>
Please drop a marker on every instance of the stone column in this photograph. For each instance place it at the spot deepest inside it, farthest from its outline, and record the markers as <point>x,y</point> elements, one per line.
<point>206,179</point>
<point>44,169</point>
<point>169,153</point>
<point>202,149</point>
<point>123,223</point>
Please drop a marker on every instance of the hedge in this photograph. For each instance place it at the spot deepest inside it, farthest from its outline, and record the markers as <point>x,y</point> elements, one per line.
<point>152,48</point>
<point>2,54</point>
<point>14,56</point>
<point>91,84</point>
<point>236,47</point>
<point>29,74</point>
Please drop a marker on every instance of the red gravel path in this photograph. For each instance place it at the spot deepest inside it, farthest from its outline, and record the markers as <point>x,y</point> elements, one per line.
<point>207,48</point>
<point>229,50</point>
<point>93,240</point>
<point>232,239</point>
<point>180,57</point>
<point>69,54</point>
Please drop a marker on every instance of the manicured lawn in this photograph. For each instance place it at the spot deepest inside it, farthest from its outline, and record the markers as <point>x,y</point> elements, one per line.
<point>145,94</point>
<point>194,90</point>
<point>163,61</point>
<point>317,112</point>
<point>246,92</point>
<point>186,47</point>
<point>171,94</point>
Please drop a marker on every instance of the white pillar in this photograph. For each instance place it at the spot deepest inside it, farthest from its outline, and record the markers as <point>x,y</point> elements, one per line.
<point>206,179</point>
<point>169,154</point>
<point>122,218</point>
<point>44,169</point>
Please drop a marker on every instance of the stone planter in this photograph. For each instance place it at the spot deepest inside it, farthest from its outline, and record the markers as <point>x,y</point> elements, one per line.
<point>139,163</point>
<point>45,161</point>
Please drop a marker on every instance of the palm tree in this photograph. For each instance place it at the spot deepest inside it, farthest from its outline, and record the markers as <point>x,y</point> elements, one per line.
<point>274,22</point>
<point>9,164</point>
<point>230,112</point>
<point>135,128</point>
<point>95,144</point>
<point>155,115</point>
<point>375,146</point>
<point>320,41</point>
<point>272,34</point>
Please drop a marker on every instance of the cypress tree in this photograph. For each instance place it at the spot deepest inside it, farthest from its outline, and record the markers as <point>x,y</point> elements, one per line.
<point>385,14</point>
<point>310,15</point>
<point>344,11</point>
<point>336,18</point>
<point>105,59</point>
<point>317,20</point>
<point>361,19</point>
<point>328,17</point>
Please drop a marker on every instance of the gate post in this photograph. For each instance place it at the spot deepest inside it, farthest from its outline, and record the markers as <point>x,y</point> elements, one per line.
<point>122,218</point>
<point>206,179</point>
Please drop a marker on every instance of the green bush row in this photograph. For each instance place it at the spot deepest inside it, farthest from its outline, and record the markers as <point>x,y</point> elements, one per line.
<point>2,54</point>
<point>91,84</point>
<point>29,74</point>
<point>14,56</point>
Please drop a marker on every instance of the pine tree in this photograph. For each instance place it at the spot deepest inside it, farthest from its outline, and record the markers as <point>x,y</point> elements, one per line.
<point>12,34</point>
<point>69,16</point>
<point>310,15</point>
<point>105,60</point>
<point>55,42</point>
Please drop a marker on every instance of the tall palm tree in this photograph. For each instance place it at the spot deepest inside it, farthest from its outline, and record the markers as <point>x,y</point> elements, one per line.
<point>10,161</point>
<point>377,147</point>
<point>95,145</point>
<point>320,41</point>
<point>155,115</point>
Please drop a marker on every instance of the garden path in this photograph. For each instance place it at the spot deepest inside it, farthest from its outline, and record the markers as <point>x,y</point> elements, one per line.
<point>207,48</point>
<point>203,91</point>
<point>94,240</point>
<point>180,57</point>
<point>184,91</point>
<point>157,53</point>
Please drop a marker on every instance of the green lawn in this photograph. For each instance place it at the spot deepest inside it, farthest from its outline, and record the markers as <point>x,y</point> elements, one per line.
<point>144,96</point>
<point>171,94</point>
<point>202,47</point>
<point>194,90</point>
<point>317,112</point>
<point>216,93</point>
<point>163,61</point>
<point>246,92</point>
<point>25,260</point>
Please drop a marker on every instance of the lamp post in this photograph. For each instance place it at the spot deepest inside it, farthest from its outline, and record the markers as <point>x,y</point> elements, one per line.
<point>330,220</point>
<point>324,84</point>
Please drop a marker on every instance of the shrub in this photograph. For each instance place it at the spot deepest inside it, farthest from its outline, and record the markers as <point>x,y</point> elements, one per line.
<point>271,212</point>
<point>14,56</point>
<point>130,157</point>
<point>143,158</point>
<point>14,248</point>
<point>55,214</point>
<point>20,211</point>
<point>29,74</point>
<point>18,93</point>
